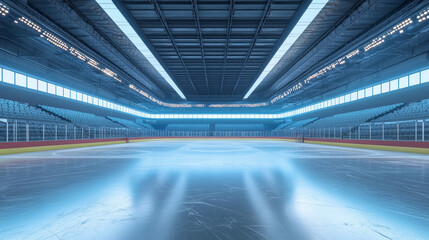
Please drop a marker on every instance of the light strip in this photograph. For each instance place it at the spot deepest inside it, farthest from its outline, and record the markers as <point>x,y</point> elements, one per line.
<point>310,13</point>
<point>110,8</point>
<point>21,80</point>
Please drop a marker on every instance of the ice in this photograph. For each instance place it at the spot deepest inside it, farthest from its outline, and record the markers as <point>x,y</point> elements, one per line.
<point>214,189</point>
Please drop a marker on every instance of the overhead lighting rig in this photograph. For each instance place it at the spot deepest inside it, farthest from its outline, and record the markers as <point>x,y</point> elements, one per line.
<point>377,41</point>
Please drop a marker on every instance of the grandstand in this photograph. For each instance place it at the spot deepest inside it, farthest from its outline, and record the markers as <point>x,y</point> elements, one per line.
<point>125,123</point>
<point>412,111</point>
<point>81,118</point>
<point>299,124</point>
<point>21,111</point>
<point>352,119</point>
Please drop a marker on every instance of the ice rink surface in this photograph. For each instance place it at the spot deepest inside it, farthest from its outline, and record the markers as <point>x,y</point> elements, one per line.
<point>219,189</point>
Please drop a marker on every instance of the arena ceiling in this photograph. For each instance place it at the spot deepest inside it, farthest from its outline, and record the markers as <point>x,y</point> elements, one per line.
<point>214,51</point>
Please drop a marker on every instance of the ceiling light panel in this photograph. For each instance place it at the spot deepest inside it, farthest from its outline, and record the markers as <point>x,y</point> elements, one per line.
<point>113,12</point>
<point>310,13</point>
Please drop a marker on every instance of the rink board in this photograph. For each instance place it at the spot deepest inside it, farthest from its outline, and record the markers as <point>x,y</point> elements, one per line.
<point>36,146</point>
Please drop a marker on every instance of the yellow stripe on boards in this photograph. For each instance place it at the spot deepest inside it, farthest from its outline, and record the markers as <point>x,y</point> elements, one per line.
<point>54,147</point>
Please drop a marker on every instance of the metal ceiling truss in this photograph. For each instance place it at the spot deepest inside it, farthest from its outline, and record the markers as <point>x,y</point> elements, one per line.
<point>255,37</point>
<point>158,11</point>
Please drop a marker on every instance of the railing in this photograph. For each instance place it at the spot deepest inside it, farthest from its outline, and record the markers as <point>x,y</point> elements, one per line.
<point>414,130</point>
<point>19,131</point>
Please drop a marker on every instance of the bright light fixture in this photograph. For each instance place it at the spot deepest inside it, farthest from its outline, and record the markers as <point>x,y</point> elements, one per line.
<point>110,8</point>
<point>310,13</point>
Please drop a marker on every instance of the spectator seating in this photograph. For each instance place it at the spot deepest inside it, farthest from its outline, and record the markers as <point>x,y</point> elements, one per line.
<point>80,118</point>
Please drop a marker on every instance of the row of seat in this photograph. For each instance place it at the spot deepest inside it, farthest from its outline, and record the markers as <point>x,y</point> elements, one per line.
<point>351,119</point>
<point>416,110</point>
<point>80,118</point>
<point>22,111</point>
<point>127,123</point>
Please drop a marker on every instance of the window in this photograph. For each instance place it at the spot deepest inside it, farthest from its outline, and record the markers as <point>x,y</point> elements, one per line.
<point>1,74</point>
<point>347,98</point>
<point>368,92</point>
<point>66,92</point>
<point>95,101</point>
<point>79,96</point>
<point>89,99</point>
<point>60,91</point>
<point>42,86</point>
<point>385,87</point>
<point>8,76</point>
<point>376,89</point>
<point>361,94</point>
<point>73,94</point>
<point>84,98</point>
<point>403,82</point>
<point>424,76</point>
<point>51,88</point>
<point>394,85</point>
<point>32,83</point>
<point>353,96</point>
<point>20,80</point>
<point>414,79</point>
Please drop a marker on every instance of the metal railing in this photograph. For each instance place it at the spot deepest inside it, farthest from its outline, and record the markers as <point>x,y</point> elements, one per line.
<point>413,130</point>
<point>19,131</point>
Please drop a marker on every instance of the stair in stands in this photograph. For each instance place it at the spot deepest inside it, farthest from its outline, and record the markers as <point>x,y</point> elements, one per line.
<point>385,113</point>
<point>52,113</point>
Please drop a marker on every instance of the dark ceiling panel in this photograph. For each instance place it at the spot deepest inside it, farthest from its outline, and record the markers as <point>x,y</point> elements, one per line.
<point>213,48</point>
